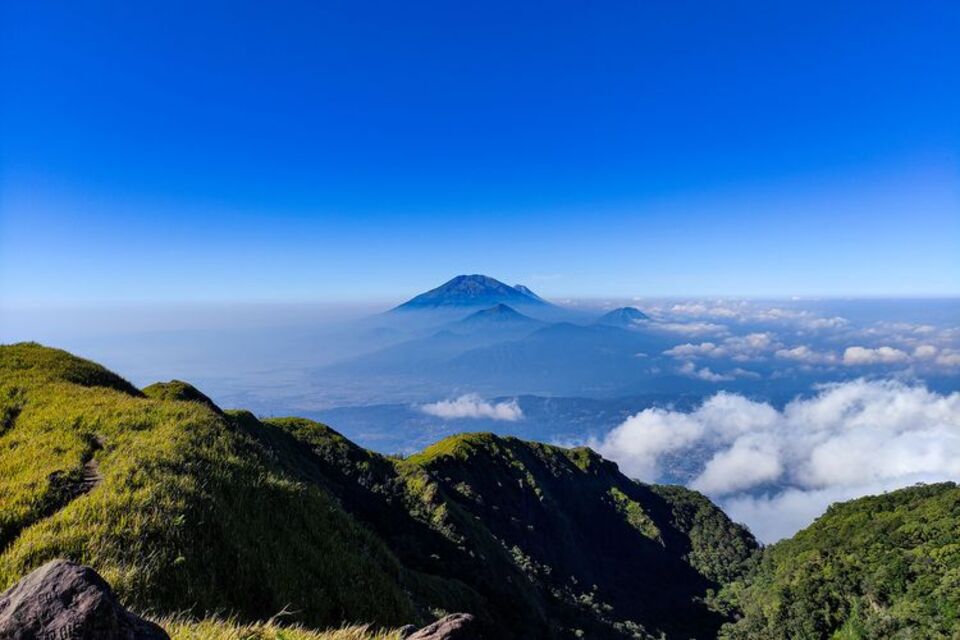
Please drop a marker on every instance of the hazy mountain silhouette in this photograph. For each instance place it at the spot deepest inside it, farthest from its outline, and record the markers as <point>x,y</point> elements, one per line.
<point>623,317</point>
<point>473,291</point>
<point>501,315</point>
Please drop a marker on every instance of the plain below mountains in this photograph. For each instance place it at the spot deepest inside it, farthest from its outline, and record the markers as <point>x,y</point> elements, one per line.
<point>196,511</point>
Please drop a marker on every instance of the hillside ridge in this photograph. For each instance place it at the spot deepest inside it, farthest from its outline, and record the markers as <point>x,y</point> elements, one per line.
<point>187,509</point>
<point>204,510</point>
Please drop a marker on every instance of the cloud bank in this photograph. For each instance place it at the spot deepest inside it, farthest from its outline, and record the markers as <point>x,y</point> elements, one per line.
<point>777,469</point>
<point>745,311</point>
<point>742,331</point>
<point>473,406</point>
<point>880,355</point>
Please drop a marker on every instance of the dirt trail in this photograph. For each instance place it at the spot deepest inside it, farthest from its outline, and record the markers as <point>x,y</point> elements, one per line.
<point>91,476</point>
<point>64,489</point>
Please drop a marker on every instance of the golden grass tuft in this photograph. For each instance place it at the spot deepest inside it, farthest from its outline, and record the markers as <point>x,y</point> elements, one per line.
<point>182,628</point>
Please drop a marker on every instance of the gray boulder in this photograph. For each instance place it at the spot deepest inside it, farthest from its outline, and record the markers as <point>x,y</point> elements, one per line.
<point>66,601</point>
<point>457,626</point>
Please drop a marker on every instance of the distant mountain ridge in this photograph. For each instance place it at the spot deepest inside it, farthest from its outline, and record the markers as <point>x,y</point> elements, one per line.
<point>474,290</point>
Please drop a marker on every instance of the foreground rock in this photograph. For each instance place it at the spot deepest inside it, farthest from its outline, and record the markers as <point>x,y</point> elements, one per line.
<point>65,601</point>
<point>457,626</point>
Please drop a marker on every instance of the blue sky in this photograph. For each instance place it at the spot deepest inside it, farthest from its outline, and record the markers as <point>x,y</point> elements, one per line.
<point>354,150</point>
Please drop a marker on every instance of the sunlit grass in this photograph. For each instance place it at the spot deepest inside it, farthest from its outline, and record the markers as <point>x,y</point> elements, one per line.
<point>219,629</point>
<point>192,514</point>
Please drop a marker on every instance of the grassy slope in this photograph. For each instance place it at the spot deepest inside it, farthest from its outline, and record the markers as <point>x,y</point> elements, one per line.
<point>192,514</point>
<point>206,511</point>
<point>883,566</point>
<point>218,629</point>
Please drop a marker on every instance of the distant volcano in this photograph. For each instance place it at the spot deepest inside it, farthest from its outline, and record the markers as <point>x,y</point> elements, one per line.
<point>623,317</point>
<point>474,291</point>
<point>498,315</point>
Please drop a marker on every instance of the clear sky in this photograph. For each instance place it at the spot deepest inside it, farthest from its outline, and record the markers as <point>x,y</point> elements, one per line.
<point>346,150</point>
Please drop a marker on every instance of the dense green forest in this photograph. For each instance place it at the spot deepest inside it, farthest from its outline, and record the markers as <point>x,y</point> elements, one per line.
<point>189,510</point>
<point>884,566</point>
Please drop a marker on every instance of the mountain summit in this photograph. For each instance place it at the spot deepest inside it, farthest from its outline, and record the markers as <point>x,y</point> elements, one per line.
<point>500,314</point>
<point>623,317</point>
<point>474,291</point>
<point>526,290</point>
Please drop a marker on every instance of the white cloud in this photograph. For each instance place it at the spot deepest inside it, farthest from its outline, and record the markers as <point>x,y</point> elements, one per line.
<point>852,356</point>
<point>751,312</point>
<point>925,352</point>
<point>921,339</point>
<point>699,309</point>
<point>949,358</point>
<point>692,328</point>
<point>806,355</point>
<point>906,327</point>
<point>823,323</point>
<point>689,350</point>
<point>703,373</point>
<point>883,344</point>
<point>804,319</point>
<point>856,356</point>
<point>473,406</point>
<point>739,348</point>
<point>639,442</point>
<point>849,439</point>
<point>750,461</point>
<point>752,341</point>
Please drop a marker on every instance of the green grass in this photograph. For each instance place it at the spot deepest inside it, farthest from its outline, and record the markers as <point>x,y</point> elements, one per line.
<point>35,363</point>
<point>218,629</point>
<point>634,514</point>
<point>192,514</point>
<point>460,447</point>
<point>179,390</point>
